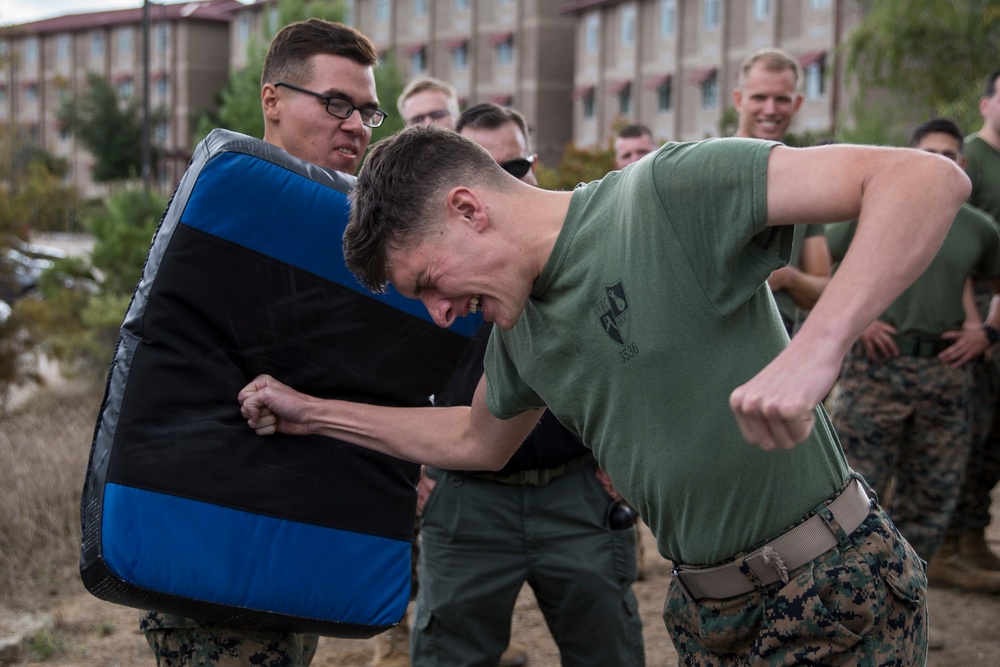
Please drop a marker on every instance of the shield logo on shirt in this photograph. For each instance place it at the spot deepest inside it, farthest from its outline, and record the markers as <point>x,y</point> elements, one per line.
<point>613,312</point>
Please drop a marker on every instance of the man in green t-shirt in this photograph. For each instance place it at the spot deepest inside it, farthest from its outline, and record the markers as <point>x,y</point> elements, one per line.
<point>964,554</point>
<point>656,340</point>
<point>766,100</point>
<point>901,408</point>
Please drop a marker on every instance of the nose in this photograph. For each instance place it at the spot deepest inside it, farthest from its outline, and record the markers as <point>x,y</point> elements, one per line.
<point>770,106</point>
<point>441,311</point>
<point>353,122</point>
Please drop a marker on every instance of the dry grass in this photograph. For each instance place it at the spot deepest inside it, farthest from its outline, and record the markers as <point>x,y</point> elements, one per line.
<point>44,446</point>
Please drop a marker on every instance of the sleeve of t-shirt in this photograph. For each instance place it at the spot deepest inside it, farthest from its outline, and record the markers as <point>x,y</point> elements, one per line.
<point>501,371</point>
<point>714,197</point>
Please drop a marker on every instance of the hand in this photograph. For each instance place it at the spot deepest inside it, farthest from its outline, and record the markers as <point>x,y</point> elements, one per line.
<point>424,488</point>
<point>878,341</point>
<point>779,278</point>
<point>272,407</point>
<point>970,343</point>
<point>605,481</point>
<point>774,410</point>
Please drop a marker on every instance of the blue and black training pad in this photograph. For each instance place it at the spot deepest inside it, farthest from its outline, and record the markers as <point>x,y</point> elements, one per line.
<point>185,510</point>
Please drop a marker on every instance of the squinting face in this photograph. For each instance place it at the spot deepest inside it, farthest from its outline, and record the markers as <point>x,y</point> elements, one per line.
<point>632,149</point>
<point>430,107</point>
<point>300,124</point>
<point>454,273</point>
<point>766,104</point>
<point>941,143</point>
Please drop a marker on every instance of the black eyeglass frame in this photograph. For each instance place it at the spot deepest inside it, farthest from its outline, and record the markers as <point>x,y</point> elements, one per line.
<point>377,116</point>
<point>433,116</point>
<point>519,166</point>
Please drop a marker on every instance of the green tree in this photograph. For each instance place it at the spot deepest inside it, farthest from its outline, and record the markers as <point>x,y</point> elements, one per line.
<point>930,56</point>
<point>123,231</point>
<point>109,127</point>
<point>578,165</point>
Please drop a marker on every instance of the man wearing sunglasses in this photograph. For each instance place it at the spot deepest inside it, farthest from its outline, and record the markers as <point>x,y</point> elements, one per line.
<point>547,518</point>
<point>427,100</point>
<point>319,103</point>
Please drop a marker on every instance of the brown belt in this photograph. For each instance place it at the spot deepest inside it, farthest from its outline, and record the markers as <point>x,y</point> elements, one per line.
<point>787,552</point>
<point>538,477</point>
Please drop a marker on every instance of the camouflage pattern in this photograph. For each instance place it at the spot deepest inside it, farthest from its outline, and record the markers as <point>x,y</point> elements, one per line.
<point>983,470</point>
<point>907,419</point>
<point>861,603</point>
<point>184,642</point>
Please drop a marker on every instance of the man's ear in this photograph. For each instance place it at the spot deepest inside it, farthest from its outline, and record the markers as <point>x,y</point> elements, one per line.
<point>465,204</point>
<point>269,102</point>
<point>737,98</point>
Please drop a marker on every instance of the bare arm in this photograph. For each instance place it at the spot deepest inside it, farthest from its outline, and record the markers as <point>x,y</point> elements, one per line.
<point>805,284</point>
<point>455,438</point>
<point>904,201</point>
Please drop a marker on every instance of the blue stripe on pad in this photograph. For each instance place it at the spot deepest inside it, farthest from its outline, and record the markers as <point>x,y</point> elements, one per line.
<point>279,213</point>
<point>252,561</point>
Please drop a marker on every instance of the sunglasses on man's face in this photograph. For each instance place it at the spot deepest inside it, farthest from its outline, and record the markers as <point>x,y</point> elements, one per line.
<point>518,167</point>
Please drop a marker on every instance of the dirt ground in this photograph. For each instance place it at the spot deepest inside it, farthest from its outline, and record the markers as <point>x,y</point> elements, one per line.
<point>85,631</point>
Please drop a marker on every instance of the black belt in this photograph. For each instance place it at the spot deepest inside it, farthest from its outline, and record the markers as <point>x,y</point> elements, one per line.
<point>537,477</point>
<point>921,346</point>
<point>776,559</point>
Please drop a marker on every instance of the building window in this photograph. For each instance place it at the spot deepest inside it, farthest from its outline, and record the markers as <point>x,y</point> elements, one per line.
<point>420,8</point>
<point>162,36</point>
<point>125,88</point>
<point>710,91</point>
<point>64,132</point>
<point>713,12</point>
<point>627,17</point>
<point>761,10</point>
<point>815,80</point>
<point>348,14</point>
<point>243,29</point>
<point>505,53</point>
<point>625,100</point>
<point>663,100</point>
<point>461,5</point>
<point>97,45</point>
<point>668,18</point>
<point>819,4</point>
<point>161,134</point>
<point>460,57</point>
<point>4,48</point>
<point>588,104</point>
<point>3,98</point>
<point>125,41</point>
<point>162,87</point>
<point>418,61</point>
<point>31,93</point>
<point>592,33</point>
<point>383,11</point>
<point>62,47</point>
<point>31,51</point>
<point>62,92</point>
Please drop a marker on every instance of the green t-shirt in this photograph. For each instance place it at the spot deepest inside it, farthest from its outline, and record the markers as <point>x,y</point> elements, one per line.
<point>933,303</point>
<point>983,168</point>
<point>651,310</point>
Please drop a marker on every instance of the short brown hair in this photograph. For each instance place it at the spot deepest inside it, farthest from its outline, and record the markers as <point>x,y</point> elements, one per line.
<point>288,56</point>
<point>489,116</point>
<point>773,60</point>
<point>400,192</point>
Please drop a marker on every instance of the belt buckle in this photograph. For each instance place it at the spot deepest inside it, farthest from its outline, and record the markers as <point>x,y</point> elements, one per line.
<point>679,578</point>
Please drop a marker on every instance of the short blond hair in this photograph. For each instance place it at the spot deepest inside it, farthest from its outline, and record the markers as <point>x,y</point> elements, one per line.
<point>771,59</point>
<point>422,83</point>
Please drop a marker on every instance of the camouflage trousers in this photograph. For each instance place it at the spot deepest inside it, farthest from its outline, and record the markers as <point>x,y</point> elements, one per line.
<point>183,642</point>
<point>983,470</point>
<point>861,603</point>
<point>906,420</point>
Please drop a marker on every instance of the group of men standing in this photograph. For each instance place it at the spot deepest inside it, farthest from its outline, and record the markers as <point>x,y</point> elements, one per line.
<point>549,516</point>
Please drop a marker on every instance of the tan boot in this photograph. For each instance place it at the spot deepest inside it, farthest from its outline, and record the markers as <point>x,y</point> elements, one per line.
<point>392,647</point>
<point>972,545</point>
<point>514,656</point>
<point>949,569</point>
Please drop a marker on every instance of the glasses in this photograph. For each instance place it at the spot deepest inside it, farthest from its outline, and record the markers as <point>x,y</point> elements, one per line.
<point>434,117</point>
<point>340,108</point>
<point>518,167</point>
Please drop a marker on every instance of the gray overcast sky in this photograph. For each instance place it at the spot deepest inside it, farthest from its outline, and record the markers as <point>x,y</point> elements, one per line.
<point>22,11</point>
